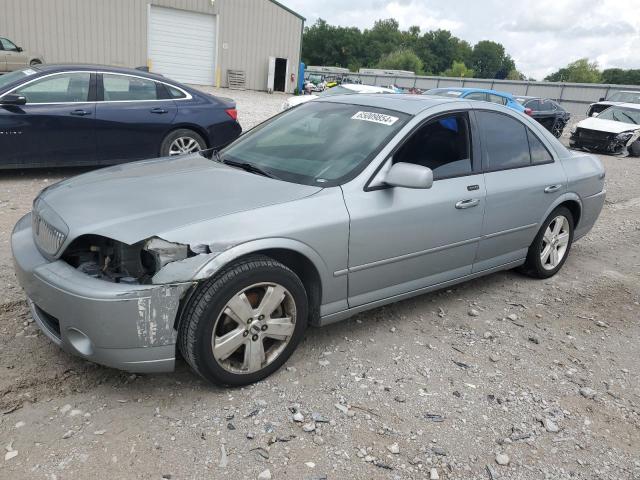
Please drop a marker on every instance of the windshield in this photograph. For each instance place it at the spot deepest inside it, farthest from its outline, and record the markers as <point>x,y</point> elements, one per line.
<point>621,114</point>
<point>317,143</point>
<point>337,90</point>
<point>626,97</point>
<point>11,77</point>
<point>443,92</point>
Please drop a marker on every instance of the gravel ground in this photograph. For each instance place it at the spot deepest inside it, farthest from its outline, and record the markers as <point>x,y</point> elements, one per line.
<point>502,377</point>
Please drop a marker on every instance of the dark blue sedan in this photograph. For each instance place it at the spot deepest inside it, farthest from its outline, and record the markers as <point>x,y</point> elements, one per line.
<point>72,115</point>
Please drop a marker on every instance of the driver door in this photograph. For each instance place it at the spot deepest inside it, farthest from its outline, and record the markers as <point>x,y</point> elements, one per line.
<point>402,239</point>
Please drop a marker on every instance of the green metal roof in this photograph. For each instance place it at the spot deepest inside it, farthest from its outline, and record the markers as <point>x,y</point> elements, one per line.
<point>288,10</point>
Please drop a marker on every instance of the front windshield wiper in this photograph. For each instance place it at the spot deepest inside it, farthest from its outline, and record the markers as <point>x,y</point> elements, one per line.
<point>246,166</point>
<point>630,118</point>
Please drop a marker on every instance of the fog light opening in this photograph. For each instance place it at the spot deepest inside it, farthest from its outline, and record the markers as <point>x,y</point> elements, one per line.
<point>80,341</point>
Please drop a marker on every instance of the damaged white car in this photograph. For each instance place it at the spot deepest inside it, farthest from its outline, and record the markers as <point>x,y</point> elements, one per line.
<point>615,131</point>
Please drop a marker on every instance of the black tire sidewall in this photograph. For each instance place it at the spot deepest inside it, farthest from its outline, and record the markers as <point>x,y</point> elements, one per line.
<point>207,366</point>
<point>181,132</point>
<point>533,265</point>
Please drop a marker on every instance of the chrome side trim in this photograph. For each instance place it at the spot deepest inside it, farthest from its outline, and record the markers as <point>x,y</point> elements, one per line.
<point>187,97</point>
<point>408,256</point>
<point>511,230</point>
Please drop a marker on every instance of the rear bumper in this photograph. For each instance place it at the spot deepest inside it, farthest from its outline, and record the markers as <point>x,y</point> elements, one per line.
<point>591,208</point>
<point>129,327</point>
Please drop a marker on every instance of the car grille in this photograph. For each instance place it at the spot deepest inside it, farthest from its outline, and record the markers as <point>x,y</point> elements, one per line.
<point>594,136</point>
<point>48,238</point>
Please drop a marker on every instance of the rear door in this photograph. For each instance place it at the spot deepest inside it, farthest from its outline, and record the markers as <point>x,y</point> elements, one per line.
<point>56,126</point>
<point>522,179</point>
<point>133,115</point>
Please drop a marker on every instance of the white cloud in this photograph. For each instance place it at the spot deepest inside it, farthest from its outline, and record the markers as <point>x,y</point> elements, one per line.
<point>541,35</point>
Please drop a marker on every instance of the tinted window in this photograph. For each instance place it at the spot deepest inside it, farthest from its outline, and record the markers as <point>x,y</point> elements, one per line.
<point>546,105</point>
<point>477,96</point>
<point>317,143</point>
<point>174,92</point>
<point>533,105</point>
<point>556,106</point>
<point>497,99</point>
<point>505,141</point>
<point>539,153</point>
<point>442,145</point>
<point>122,87</point>
<point>63,88</point>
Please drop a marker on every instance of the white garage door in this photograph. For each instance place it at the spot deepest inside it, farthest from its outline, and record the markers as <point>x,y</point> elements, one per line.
<point>182,45</point>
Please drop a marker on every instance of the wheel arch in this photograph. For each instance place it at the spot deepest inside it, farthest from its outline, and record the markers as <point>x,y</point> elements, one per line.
<point>188,126</point>
<point>570,200</point>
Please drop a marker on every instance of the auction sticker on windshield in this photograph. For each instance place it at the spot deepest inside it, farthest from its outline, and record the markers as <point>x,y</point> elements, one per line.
<point>375,117</point>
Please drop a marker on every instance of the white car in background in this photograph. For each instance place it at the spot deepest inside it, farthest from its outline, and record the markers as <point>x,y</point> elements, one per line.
<point>615,131</point>
<point>337,90</point>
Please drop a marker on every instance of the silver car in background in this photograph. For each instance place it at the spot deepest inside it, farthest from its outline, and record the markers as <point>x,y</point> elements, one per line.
<point>337,206</point>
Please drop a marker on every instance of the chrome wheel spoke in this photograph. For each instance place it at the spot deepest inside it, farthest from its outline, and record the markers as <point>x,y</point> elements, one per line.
<point>557,226</point>
<point>228,343</point>
<point>273,297</point>
<point>554,257</point>
<point>279,328</point>
<point>254,356</point>
<point>548,236</point>
<point>563,239</point>
<point>239,309</point>
<point>544,256</point>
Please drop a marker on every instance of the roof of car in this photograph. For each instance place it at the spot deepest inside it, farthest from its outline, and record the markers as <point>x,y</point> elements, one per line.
<point>634,106</point>
<point>470,89</point>
<point>62,67</point>
<point>400,102</point>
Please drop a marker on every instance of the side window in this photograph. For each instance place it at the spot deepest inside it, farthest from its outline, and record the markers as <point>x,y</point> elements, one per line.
<point>174,92</point>
<point>122,87</point>
<point>539,153</point>
<point>7,45</point>
<point>477,96</point>
<point>63,88</point>
<point>505,141</point>
<point>545,105</point>
<point>497,99</point>
<point>534,105</point>
<point>443,145</point>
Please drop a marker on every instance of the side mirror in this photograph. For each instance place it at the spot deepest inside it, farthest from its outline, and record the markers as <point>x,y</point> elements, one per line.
<point>18,49</point>
<point>13,99</point>
<point>409,175</point>
<point>602,99</point>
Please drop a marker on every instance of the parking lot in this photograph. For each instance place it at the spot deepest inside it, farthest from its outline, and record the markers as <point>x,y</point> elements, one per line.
<point>541,375</point>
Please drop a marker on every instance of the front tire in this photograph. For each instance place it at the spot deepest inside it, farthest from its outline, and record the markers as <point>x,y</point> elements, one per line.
<point>242,325</point>
<point>550,248</point>
<point>181,142</point>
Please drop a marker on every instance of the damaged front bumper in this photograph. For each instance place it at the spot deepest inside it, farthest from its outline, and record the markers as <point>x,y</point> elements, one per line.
<point>129,327</point>
<point>611,144</point>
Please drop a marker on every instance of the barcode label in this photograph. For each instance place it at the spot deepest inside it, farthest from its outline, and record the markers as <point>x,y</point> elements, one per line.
<point>375,117</point>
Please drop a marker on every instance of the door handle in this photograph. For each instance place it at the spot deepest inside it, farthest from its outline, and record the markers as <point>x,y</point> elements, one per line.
<point>159,110</point>
<point>552,188</point>
<point>470,202</point>
<point>80,113</point>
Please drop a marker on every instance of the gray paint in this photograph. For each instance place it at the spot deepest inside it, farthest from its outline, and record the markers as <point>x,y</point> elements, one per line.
<point>369,247</point>
<point>114,32</point>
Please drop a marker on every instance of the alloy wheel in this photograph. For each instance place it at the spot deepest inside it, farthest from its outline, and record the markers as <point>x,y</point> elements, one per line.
<point>555,242</point>
<point>182,145</point>
<point>254,328</point>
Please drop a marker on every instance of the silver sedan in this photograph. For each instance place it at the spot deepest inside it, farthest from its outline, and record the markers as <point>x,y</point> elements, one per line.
<point>331,208</point>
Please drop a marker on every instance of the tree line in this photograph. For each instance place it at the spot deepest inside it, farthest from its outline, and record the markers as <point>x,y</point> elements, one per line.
<point>435,52</point>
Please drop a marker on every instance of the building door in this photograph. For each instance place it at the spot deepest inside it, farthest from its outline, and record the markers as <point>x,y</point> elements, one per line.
<point>182,45</point>
<point>280,75</point>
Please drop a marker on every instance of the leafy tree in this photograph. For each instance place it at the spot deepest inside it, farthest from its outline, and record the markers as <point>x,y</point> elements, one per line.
<point>383,38</point>
<point>489,60</point>
<point>403,59</point>
<point>621,77</point>
<point>515,75</point>
<point>458,69</point>
<point>580,71</point>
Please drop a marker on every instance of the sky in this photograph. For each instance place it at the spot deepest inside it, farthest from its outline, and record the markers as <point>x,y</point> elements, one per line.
<point>541,35</point>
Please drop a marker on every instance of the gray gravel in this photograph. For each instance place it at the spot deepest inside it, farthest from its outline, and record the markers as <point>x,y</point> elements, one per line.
<point>447,385</point>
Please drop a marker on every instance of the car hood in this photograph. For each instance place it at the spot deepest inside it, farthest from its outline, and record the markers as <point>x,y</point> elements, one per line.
<point>610,126</point>
<point>140,200</point>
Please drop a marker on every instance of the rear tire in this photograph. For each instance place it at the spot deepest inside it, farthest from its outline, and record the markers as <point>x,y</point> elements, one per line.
<point>181,142</point>
<point>634,149</point>
<point>242,325</point>
<point>33,63</point>
<point>552,244</point>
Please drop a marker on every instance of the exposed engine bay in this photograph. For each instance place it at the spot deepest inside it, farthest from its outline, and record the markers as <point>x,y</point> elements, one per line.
<point>117,262</point>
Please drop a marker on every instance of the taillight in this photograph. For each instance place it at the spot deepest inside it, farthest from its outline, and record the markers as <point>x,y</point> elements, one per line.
<point>528,111</point>
<point>233,113</point>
